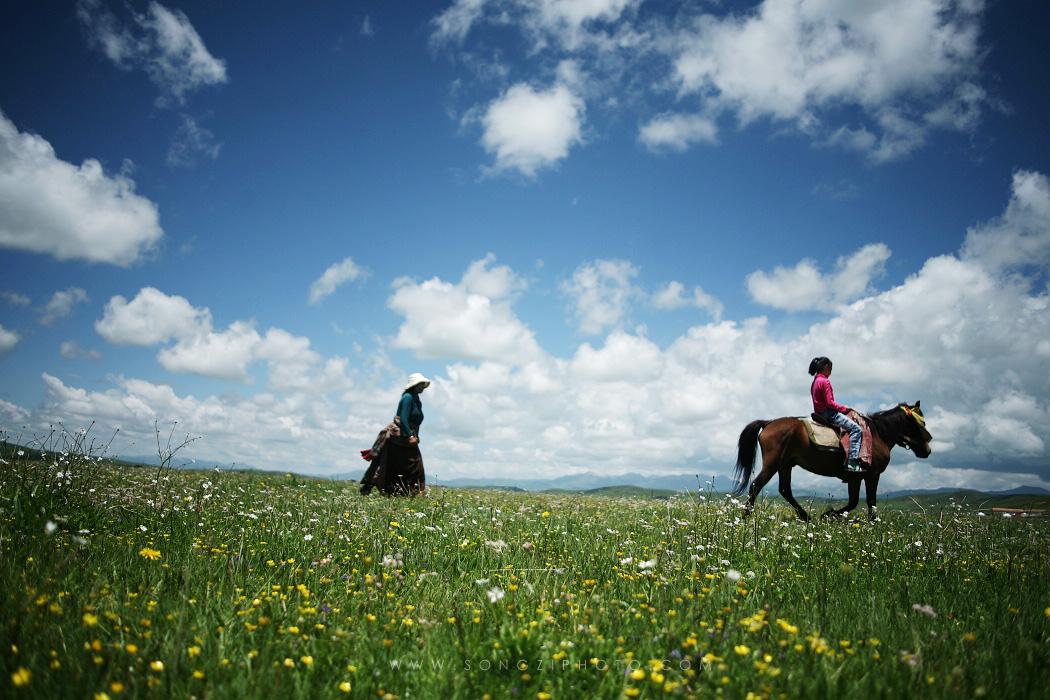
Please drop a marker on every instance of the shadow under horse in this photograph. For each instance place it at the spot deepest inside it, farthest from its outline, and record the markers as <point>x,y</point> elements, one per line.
<point>785,444</point>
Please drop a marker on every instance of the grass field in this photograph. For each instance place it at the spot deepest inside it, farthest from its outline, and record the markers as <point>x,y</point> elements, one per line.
<point>124,582</point>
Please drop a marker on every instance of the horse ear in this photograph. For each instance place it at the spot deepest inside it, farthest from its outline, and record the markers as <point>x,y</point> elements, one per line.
<point>917,404</point>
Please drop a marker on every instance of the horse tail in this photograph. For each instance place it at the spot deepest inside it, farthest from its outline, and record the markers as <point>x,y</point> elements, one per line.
<point>747,448</point>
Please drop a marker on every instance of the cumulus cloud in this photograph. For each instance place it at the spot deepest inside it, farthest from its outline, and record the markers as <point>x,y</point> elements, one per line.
<point>600,292</point>
<point>61,304</point>
<point>799,61</point>
<point>472,319</point>
<point>8,340</point>
<point>161,42</point>
<point>672,296</point>
<point>155,318</point>
<point>876,78</point>
<point>1021,236</point>
<point>804,287</point>
<point>527,129</point>
<point>48,205</point>
<point>223,355</point>
<point>330,280</point>
<point>150,318</point>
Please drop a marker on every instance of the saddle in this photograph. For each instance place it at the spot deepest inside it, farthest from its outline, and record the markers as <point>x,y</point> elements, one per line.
<point>822,435</point>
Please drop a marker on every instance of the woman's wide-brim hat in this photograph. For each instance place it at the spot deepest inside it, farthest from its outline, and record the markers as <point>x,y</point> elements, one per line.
<point>416,379</point>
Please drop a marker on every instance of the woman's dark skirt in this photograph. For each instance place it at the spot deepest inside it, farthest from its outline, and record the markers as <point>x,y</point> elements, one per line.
<point>397,470</point>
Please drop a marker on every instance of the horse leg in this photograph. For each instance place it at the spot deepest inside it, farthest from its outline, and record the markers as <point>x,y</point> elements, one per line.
<point>871,487</point>
<point>760,481</point>
<point>785,491</point>
<point>854,498</point>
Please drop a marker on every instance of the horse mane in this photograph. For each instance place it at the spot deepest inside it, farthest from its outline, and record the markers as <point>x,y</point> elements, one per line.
<point>888,423</point>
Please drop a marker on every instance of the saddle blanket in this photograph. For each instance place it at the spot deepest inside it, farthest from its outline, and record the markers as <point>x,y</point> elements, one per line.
<point>830,439</point>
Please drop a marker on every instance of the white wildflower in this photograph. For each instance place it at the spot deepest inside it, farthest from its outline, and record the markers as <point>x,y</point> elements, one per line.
<point>926,610</point>
<point>50,528</point>
<point>733,575</point>
<point>646,565</point>
<point>495,594</point>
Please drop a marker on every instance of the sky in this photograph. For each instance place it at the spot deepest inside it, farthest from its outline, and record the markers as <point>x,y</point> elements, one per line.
<point>612,232</point>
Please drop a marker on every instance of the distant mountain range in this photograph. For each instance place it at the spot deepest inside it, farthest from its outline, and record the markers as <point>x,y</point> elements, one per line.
<point>590,482</point>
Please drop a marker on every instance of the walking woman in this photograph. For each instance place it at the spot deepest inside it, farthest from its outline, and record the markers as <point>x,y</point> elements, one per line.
<point>826,407</point>
<point>396,462</point>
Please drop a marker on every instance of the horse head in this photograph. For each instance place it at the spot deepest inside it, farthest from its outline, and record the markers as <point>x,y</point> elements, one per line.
<point>914,435</point>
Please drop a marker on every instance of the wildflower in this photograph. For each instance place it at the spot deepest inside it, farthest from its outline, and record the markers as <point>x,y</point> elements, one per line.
<point>101,696</point>
<point>21,677</point>
<point>742,649</point>
<point>495,594</point>
<point>193,651</point>
<point>198,675</point>
<point>131,649</point>
<point>157,666</point>
<point>90,620</point>
<point>151,554</point>
<point>288,663</point>
<point>926,610</point>
<point>308,537</point>
<point>646,565</point>
<point>307,660</point>
<point>345,687</point>
<point>116,687</point>
<point>50,528</point>
<point>637,674</point>
<point>733,575</point>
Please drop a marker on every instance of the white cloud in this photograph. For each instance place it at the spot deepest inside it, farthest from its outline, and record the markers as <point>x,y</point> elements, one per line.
<point>50,206</point>
<point>61,304</point>
<point>345,271</point>
<point>150,318</point>
<point>192,141</point>
<point>366,27</point>
<point>528,130</point>
<point>600,292</point>
<point>795,61</point>
<point>71,350</point>
<point>1021,236</point>
<point>672,296</point>
<point>15,298</point>
<point>223,355</point>
<point>678,131</point>
<point>805,287</point>
<point>161,42</point>
<point>469,320</point>
<point>455,22</point>
<point>8,340</point>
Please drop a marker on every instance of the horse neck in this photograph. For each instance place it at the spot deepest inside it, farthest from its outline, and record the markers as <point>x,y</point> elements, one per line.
<point>889,425</point>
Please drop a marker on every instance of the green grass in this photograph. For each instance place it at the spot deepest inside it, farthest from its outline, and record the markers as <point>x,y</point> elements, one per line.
<point>281,586</point>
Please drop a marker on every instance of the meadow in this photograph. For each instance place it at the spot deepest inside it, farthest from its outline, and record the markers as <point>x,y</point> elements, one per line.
<point>122,581</point>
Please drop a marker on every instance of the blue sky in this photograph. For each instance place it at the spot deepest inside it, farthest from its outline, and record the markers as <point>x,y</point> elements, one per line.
<point>612,232</point>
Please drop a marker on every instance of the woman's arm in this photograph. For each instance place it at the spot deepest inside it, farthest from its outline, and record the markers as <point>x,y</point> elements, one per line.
<point>404,414</point>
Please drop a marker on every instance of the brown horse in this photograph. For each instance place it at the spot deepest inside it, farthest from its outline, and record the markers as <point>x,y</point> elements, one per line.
<point>785,444</point>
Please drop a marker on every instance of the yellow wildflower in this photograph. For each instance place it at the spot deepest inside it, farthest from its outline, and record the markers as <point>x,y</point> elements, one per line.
<point>157,666</point>
<point>345,686</point>
<point>151,554</point>
<point>21,677</point>
<point>742,649</point>
<point>90,620</point>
